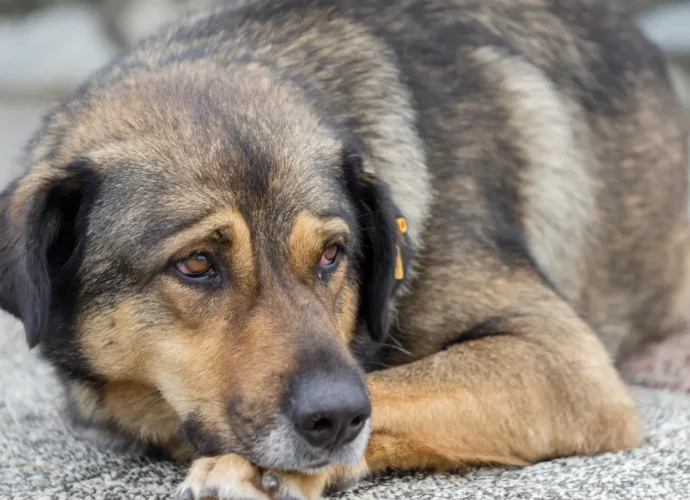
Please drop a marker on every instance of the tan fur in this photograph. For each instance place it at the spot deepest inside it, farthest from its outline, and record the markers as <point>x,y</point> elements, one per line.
<point>196,364</point>
<point>230,475</point>
<point>225,230</point>
<point>310,236</point>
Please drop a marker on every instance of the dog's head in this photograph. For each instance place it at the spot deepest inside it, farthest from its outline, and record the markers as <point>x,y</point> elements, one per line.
<point>213,244</point>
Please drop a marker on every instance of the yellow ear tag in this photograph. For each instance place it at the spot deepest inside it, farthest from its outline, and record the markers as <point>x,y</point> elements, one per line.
<point>402,229</point>
<point>399,272</point>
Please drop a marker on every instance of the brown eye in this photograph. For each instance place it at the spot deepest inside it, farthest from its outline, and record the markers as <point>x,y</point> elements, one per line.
<point>195,266</point>
<point>329,256</point>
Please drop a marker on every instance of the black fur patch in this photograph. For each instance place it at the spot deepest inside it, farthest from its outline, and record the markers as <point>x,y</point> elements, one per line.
<point>376,218</point>
<point>205,442</point>
<point>493,326</point>
<point>39,269</point>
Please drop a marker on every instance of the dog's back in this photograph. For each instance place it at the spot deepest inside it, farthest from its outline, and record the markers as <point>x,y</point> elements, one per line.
<point>553,134</point>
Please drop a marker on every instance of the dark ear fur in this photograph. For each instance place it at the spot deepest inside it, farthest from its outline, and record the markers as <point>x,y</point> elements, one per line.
<point>39,248</point>
<point>376,217</point>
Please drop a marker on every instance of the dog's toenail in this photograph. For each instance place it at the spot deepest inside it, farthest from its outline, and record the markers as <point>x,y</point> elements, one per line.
<point>270,483</point>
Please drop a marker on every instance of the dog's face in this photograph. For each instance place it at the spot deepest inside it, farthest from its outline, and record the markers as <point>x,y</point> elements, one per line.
<point>213,245</point>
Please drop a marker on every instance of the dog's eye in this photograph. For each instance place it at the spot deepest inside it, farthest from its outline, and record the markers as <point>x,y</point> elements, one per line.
<point>197,265</point>
<point>329,256</point>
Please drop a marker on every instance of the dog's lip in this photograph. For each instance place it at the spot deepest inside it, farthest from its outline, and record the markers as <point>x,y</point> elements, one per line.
<point>315,468</point>
<point>312,468</point>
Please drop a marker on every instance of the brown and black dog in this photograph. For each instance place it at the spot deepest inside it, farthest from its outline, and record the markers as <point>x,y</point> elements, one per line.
<point>481,204</point>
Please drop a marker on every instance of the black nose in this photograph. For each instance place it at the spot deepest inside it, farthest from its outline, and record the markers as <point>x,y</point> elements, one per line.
<point>329,410</point>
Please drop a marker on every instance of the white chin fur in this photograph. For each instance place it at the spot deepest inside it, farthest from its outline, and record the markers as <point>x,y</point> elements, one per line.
<point>283,449</point>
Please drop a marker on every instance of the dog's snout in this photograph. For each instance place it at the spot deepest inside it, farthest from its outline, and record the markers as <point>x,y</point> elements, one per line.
<point>329,411</point>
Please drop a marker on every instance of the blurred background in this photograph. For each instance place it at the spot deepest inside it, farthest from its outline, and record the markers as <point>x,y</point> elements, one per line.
<point>47,47</point>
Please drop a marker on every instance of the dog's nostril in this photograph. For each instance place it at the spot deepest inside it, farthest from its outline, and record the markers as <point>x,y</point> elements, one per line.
<point>357,421</point>
<point>322,425</point>
<point>336,428</point>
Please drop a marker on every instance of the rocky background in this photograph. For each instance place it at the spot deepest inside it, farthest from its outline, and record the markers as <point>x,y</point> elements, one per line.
<point>48,46</point>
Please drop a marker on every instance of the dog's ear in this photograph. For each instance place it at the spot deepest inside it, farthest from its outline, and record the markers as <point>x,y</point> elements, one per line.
<point>376,218</point>
<point>39,219</point>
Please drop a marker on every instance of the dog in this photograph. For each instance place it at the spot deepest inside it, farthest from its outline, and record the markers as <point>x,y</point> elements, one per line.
<point>296,242</point>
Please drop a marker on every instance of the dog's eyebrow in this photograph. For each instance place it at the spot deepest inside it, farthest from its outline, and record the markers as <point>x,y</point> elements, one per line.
<point>164,230</point>
<point>216,226</point>
<point>334,222</point>
<point>342,215</point>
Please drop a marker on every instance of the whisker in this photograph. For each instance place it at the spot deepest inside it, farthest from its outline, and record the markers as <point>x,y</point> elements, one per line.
<point>370,213</point>
<point>398,348</point>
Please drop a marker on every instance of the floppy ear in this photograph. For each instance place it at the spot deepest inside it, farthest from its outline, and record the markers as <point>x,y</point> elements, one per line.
<point>39,219</point>
<point>376,217</point>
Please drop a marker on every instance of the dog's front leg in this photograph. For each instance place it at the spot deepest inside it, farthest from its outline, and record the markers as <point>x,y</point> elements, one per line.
<point>537,385</point>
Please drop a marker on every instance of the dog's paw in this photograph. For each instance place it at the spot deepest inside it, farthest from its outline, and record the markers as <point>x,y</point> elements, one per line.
<point>227,477</point>
<point>231,477</point>
<point>296,486</point>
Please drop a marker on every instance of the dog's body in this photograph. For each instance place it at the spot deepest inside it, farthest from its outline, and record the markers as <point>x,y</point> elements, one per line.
<point>531,151</point>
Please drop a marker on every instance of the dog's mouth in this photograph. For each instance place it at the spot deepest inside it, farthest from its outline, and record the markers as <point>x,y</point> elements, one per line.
<point>283,448</point>
<point>315,468</point>
<point>322,418</point>
<point>279,447</point>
